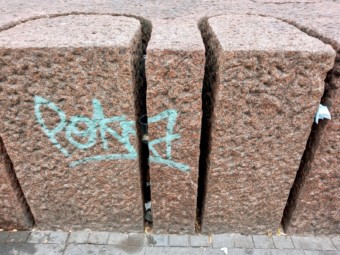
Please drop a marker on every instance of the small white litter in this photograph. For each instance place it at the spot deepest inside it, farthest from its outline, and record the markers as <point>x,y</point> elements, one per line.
<point>322,113</point>
<point>148,205</point>
<point>225,250</point>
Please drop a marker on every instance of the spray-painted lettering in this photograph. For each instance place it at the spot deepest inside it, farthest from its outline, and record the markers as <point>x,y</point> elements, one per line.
<point>99,123</point>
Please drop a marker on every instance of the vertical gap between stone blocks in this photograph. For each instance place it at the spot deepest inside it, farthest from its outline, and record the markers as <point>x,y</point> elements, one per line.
<point>16,186</point>
<point>316,131</point>
<point>210,82</point>
<point>141,110</point>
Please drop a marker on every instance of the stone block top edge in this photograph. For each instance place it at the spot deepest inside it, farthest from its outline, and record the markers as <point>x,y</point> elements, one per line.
<point>257,33</point>
<point>176,35</point>
<point>72,31</point>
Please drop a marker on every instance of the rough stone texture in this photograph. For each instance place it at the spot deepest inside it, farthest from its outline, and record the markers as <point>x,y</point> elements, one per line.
<point>174,71</point>
<point>47,58</point>
<point>317,17</point>
<point>13,210</point>
<point>317,202</point>
<point>269,83</point>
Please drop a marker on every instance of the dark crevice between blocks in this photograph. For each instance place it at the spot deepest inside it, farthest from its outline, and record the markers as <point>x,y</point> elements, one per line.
<point>141,116</point>
<point>210,82</point>
<point>29,219</point>
<point>316,131</point>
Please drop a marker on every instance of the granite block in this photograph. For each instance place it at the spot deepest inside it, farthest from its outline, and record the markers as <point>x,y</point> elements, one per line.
<point>68,119</point>
<point>13,209</point>
<point>270,78</point>
<point>316,201</point>
<point>174,71</point>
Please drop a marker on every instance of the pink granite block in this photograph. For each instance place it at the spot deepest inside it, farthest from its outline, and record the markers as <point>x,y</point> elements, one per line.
<point>270,81</point>
<point>316,208</point>
<point>68,119</point>
<point>174,70</point>
<point>13,210</point>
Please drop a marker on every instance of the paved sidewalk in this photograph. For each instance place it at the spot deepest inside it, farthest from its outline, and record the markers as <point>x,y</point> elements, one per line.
<point>89,242</point>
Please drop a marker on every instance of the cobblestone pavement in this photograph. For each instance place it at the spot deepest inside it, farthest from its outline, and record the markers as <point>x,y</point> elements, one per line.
<point>88,242</point>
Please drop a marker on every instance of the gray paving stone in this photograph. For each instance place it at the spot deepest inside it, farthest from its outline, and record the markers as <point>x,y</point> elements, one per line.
<point>136,239</point>
<point>90,249</point>
<point>3,236</point>
<point>242,241</point>
<point>263,242</point>
<point>222,240</point>
<point>213,251</point>
<point>240,251</point>
<point>283,242</point>
<point>200,241</point>
<point>336,242</point>
<point>58,237</point>
<point>98,237</point>
<point>313,243</point>
<point>78,237</point>
<point>173,251</point>
<point>179,240</point>
<point>118,239</point>
<point>159,240</point>
<point>277,252</point>
<point>18,237</point>
<point>321,253</point>
<point>38,237</point>
<point>30,249</point>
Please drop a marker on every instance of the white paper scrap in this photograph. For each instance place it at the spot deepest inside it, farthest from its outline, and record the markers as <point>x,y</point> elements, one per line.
<point>225,249</point>
<point>148,205</point>
<point>322,113</point>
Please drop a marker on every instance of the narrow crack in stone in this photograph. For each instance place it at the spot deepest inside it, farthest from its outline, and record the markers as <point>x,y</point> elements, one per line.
<point>141,110</point>
<point>17,188</point>
<point>210,81</point>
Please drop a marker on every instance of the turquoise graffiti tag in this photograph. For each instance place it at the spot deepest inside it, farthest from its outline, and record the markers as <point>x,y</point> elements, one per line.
<point>99,123</point>
<point>168,138</point>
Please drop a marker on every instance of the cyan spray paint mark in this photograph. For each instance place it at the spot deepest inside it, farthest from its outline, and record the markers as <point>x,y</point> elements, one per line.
<point>38,102</point>
<point>101,123</point>
<point>169,137</point>
<point>90,133</point>
<point>170,163</point>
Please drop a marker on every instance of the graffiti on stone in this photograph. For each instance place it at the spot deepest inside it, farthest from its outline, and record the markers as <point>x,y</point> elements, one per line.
<point>98,129</point>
